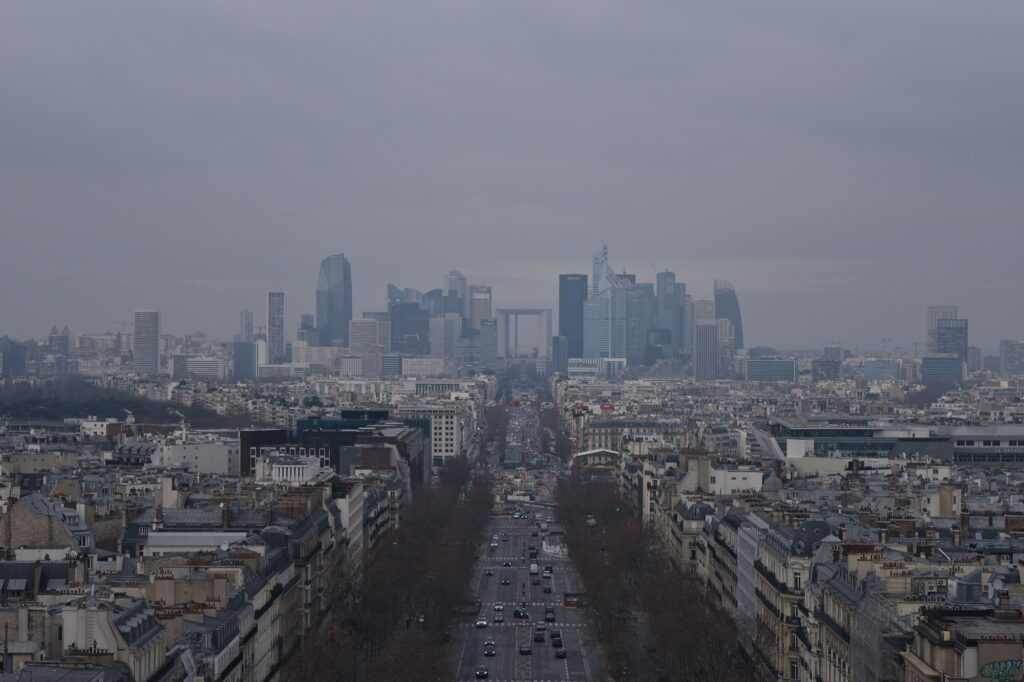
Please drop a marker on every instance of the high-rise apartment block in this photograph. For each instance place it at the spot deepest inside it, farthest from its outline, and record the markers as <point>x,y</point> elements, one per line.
<point>146,342</point>
<point>276,352</point>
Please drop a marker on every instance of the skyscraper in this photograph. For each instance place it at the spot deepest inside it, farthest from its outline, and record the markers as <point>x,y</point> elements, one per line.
<point>1011,358</point>
<point>455,298</point>
<point>244,362</point>
<point>936,313</point>
<point>245,325</point>
<point>479,305</point>
<point>275,328</point>
<point>334,300</point>
<point>705,349</point>
<point>410,328</point>
<point>572,294</point>
<point>307,330</point>
<point>951,336</point>
<point>670,306</point>
<point>146,348</point>
<point>605,314</point>
<point>727,307</point>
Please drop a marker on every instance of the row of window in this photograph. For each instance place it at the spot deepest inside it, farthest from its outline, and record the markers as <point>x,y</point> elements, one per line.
<point>990,443</point>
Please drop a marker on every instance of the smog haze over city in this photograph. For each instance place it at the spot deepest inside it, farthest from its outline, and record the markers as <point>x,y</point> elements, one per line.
<point>511,340</point>
<point>843,166</point>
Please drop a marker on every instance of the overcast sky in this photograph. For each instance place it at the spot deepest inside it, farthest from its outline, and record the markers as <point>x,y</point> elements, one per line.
<point>843,164</point>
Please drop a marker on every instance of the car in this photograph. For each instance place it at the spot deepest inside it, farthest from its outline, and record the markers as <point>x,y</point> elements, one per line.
<point>549,618</point>
<point>521,613</point>
<point>507,564</point>
<point>499,607</point>
<point>547,589</point>
<point>490,652</point>
<point>488,572</point>
<point>506,581</point>
<point>525,650</point>
<point>481,672</point>
<point>535,581</point>
<point>481,622</point>
<point>556,642</point>
<point>421,619</point>
<point>499,618</point>
<point>559,653</point>
<point>538,636</point>
<point>557,634</point>
<point>489,641</point>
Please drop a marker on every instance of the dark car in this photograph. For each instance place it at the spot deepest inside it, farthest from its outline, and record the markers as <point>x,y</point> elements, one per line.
<point>549,618</point>
<point>507,564</point>
<point>481,672</point>
<point>488,572</point>
<point>525,650</point>
<point>547,589</point>
<point>559,653</point>
<point>538,636</point>
<point>489,651</point>
<point>506,581</point>
<point>556,642</point>
<point>521,613</point>
<point>535,581</point>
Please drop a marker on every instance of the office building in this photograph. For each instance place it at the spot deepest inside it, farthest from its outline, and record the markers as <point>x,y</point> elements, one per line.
<point>59,342</point>
<point>205,368</point>
<point>489,345</point>
<point>951,336</point>
<point>245,326</point>
<point>1011,358</point>
<point>936,313</point>
<point>307,332</point>
<point>455,298</point>
<point>146,342</point>
<point>670,295</point>
<point>369,335</point>
<point>572,295</point>
<point>334,300</point>
<point>559,355</point>
<point>727,307</point>
<point>479,305</point>
<point>943,367</point>
<point>604,324</point>
<point>973,359</point>
<point>410,328</point>
<point>434,302</point>
<point>444,332</point>
<point>771,369</point>
<point>705,349</point>
<point>391,365</point>
<point>244,363</point>
<point>881,370</point>
<point>276,351</point>
<point>12,359</point>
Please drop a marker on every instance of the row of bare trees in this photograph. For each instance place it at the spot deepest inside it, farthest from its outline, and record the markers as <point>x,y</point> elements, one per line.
<point>393,624</point>
<point>653,623</point>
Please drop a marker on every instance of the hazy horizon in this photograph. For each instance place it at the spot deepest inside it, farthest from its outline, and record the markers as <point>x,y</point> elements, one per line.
<point>844,167</point>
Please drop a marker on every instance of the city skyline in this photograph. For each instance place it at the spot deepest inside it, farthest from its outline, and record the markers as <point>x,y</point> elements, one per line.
<point>912,344</point>
<point>839,197</point>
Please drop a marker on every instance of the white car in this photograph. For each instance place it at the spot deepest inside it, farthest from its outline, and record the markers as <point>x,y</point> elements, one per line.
<point>481,622</point>
<point>499,607</point>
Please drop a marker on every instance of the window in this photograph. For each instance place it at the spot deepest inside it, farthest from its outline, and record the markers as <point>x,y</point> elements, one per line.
<point>796,581</point>
<point>794,670</point>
